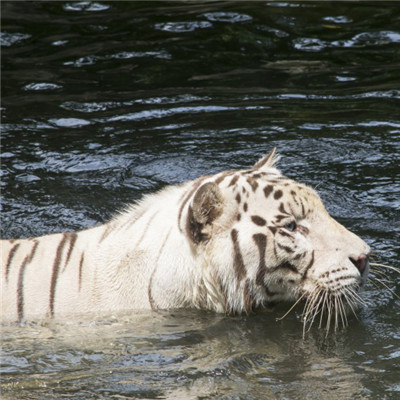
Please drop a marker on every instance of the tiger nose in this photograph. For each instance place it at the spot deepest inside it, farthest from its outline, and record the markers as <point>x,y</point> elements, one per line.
<point>360,262</point>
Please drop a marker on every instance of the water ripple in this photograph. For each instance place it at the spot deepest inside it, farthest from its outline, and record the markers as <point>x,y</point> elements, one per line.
<point>389,94</point>
<point>181,27</point>
<point>69,122</point>
<point>227,16</point>
<point>42,86</point>
<point>90,107</point>
<point>8,39</point>
<point>339,19</point>
<point>85,6</point>
<point>161,113</point>
<point>365,39</point>
<point>92,59</point>
<point>320,126</point>
<point>369,39</point>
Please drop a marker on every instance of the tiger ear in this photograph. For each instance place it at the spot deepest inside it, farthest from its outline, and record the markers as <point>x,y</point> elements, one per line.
<point>206,206</point>
<point>268,161</point>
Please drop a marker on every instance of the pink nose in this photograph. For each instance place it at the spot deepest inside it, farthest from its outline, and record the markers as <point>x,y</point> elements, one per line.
<point>360,262</point>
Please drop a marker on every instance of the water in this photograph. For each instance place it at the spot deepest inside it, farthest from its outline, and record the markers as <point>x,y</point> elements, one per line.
<point>105,101</point>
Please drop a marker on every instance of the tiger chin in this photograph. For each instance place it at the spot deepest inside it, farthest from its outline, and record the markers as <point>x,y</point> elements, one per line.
<point>233,242</point>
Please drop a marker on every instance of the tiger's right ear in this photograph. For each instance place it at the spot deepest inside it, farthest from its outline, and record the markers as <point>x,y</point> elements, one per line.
<point>268,161</point>
<point>206,206</point>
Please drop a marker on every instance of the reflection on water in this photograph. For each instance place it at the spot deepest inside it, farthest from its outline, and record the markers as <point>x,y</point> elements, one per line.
<point>105,101</point>
<point>180,354</point>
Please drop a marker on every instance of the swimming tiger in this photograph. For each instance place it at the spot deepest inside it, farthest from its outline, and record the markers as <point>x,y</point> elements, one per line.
<point>234,242</point>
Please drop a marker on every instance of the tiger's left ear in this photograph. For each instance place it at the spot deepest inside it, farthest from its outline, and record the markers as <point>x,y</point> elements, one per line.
<point>269,161</point>
<point>206,206</point>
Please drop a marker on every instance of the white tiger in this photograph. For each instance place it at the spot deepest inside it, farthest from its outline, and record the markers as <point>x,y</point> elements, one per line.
<point>233,242</point>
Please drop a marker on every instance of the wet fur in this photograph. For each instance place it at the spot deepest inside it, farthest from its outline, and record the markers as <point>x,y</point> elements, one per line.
<point>222,242</point>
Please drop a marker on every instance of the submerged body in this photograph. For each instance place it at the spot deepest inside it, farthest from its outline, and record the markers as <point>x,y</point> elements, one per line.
<point>233,242</point>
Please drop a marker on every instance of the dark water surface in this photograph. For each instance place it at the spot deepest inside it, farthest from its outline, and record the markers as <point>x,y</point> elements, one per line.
<point>104,101</point>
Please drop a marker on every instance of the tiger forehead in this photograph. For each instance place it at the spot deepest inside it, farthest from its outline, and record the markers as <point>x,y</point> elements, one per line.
<point>298,198</point>
<point>269,183</point>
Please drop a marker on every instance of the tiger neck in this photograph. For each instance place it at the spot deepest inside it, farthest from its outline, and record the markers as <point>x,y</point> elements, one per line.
<point>156,253</point>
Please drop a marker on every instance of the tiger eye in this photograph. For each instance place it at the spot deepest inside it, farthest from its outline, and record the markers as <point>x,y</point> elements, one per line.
<point>291,226</point>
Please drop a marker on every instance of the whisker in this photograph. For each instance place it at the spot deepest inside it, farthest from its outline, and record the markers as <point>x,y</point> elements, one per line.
<point>305,313</point>
<point>291,308</point>
<point>379,273</point>
<point>356,297</point>
<point>352,300</point>
<point>332,309</point>
<point>311,301</point>
<point>310,305</point>
<point>316,309</point>
<point>336,313</point>
<point>375,284</point>
<point>385,266</point>
<point>341,311</point>
<point>325,295</point>
<point>328,321</point>
<point>388,288</point>
<point>316,301</point>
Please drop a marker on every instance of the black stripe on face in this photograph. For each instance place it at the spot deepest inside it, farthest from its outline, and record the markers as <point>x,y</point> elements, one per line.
<point>258,220</point>
<point>310,264</point>
<point>238,264</point>
<point>294,196</point>
<point>11,255</point>
<point>253,184</point>
<point>284,233</point>
<point>56,270</point>
<point>280,217</point>
<point>285,248</point>
<point>275,251</point>
<point>20,284</point>
<point>234,180</point>
<point>282,209</point>
<point>303,211</point>
<point>278,194</point>
<point>287,265</point>
<point>261,241</point>
<point>268,190</point>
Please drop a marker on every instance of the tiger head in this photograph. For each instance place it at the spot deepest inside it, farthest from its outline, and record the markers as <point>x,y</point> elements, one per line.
<point>264,238</point>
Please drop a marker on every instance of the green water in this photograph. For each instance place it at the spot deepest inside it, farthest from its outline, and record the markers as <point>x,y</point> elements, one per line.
<point>105,101</point>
